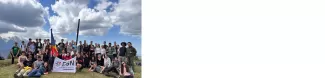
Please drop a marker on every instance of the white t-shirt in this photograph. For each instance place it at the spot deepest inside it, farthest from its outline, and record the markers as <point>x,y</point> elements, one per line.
<point>72,53</point>
<point>102,50</point>
<point>97,50</point>
<point>22,47</point>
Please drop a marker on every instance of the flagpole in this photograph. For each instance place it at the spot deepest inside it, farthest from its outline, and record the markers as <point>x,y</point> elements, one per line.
<point>78,32</point>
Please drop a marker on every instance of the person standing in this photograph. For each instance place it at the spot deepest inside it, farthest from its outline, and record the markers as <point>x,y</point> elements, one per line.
<point>29,42</point>
<point>123,52</point>
<point>44,44</point>
<point>103,50</point>
<point>91,49</point>
<point>31,49</point>
<point>105,46</point>
<point>38,45</point>
<point>131,54</point>
<point>74,47</point>
<point>97,50</point>
<point>69,48</point>
<point>80,47</point>
<point>86,48</point>
<point>61,46</point>
<point>23,47</point>
<point>111,51</point>
<point>14,52</point>
<point>116,49</point>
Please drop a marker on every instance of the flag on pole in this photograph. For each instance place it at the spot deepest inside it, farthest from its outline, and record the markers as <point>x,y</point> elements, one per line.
<point>54,50</point>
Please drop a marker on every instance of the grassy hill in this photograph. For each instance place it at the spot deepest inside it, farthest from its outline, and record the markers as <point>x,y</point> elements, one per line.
<point>7,70</point>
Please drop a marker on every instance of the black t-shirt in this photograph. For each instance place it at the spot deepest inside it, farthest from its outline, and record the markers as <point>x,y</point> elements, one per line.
<point>122,51</point>
<point>47,69</point>
<point>100,62</point>
<point>63,45</point>
<point>38,45</point>
<point>80,47</point>
<point>85,48</point>
<point>91,49</point>
<point>86,60</point>
<point>46,57</point>
<point>80,60</point>
<point>28,63</point>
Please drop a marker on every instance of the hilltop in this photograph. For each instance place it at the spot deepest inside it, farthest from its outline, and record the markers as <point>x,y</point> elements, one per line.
<point>7,70</point>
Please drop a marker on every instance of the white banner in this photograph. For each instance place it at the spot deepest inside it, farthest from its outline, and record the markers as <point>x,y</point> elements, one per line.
<point>60,65</point>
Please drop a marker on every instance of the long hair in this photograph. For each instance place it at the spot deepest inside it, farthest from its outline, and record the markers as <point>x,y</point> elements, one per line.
<point>122,68</point>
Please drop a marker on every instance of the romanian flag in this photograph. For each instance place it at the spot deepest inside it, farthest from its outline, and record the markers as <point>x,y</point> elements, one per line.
<point>54,50</point>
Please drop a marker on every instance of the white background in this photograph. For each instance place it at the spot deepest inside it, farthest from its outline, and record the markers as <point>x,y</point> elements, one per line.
<point>233,38</point>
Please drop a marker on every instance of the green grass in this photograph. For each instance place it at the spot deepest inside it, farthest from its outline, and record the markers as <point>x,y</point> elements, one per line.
<point>7,70</point>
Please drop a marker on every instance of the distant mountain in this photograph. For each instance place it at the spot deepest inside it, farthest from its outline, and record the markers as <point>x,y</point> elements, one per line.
<point>6,44</point>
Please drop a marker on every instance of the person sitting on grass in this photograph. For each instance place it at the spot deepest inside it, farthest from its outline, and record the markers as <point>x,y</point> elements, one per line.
<point>92,61</point>
<point>95,68</point>
<point>46,55</point>
<point>21,59</point>
<point>67,56</point>
<point>114,68</point>
<point>27,67</point>
<point>126,72</point>
<point>80,61</point>
<point>98,66</point>
<point>46,68</point>
<point>86,60</point>
<point>107,62</point>
<point>38,68</point>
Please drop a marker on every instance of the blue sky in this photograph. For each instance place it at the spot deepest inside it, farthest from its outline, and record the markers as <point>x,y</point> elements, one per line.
<point>111,36</point>
<point>96,20</point>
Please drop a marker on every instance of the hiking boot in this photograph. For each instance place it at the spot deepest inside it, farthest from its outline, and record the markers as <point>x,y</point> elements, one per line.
<point>15,76</point>
<point>25,74</point>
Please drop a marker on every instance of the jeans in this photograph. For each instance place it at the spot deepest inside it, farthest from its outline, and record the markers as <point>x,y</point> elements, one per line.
<point>35,73</point>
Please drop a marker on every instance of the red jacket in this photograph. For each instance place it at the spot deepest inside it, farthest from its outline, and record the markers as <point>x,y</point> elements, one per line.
<point>66,57</point>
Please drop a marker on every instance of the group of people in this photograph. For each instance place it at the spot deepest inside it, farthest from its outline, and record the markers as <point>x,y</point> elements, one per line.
<point>35,58</point>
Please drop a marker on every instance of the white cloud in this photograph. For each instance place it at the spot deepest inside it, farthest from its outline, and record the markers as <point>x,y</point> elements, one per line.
<point>23,19</point>
<point>127,14</point>
<point>34,32</point>
<point>28,13</point>
<point>5,28</point>
<point>91,21</point>
<point>103,5</point>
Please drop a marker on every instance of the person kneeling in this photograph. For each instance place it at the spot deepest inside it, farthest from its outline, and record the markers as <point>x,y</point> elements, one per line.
<point>79,62</point>
<point>38,68</point>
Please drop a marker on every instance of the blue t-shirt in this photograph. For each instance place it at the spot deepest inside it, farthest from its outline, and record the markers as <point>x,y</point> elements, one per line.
<point>32,47</point>
<point>74,48</point>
